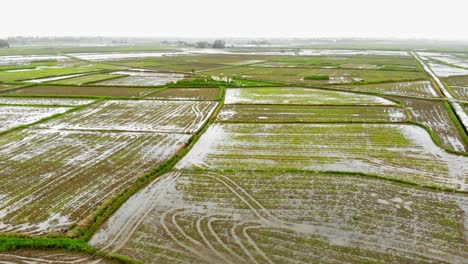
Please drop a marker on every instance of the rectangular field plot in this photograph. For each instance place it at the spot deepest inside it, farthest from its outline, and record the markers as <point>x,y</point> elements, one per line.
<point>306,113</point>
<point>43,101</point>
<point>142,78</point>
<point>13,116</point>
<point>300,96</point>
<point>43,75</point>
<point>416,89</point>
<point>284,217</point>
<point>404,152</point>
<point>53,178</point>
<point>357,62</point>
<point>4,87</point>
<point>87,79</point>
<point>435,116</point>
<point>50,256</point>
<point>459,85</point>
<point>141,115</point>
<point>82,91</point>
<point>186,94</point>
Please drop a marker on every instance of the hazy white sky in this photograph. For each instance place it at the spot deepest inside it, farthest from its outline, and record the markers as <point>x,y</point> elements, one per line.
<point>444,19</point>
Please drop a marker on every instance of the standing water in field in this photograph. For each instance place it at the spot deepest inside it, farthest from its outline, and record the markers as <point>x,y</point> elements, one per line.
<point>143,78</point>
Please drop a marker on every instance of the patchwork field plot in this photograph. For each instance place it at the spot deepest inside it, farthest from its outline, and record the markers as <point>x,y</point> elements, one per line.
<point>416,89</point>
<point>402,63</point>
<point>281,217</point>
<point>403,152</point>
<point>141,115</point>
<point>186,94</point>
<point>245,154</point>
<point>305,113</point>
<point>143,78</point>
<point>49,257</point>
<point>434,115</point>
<point>13,116</point>
<point>43,101</point>
<point>52,179</point>
<point>297,95</point>
<point>82,91</point>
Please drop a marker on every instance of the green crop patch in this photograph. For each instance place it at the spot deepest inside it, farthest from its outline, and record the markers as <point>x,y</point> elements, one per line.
<point>317,77</point>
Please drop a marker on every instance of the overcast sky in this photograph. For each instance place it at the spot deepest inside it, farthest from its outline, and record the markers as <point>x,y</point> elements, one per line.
<point>444,19</point>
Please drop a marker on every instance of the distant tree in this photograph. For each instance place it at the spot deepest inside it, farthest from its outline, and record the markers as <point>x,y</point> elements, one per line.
<point>219,44</point>
<point>202,44</point>
<point>4,44</point>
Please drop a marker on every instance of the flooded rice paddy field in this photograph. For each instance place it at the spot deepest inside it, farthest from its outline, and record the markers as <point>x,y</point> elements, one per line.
<point>458,85</point>
<point>81,91</point>
<point>14,116</point>
<point>28,256</point>
<point>414,89</point>
<point>141,115</point>
<point>300,96</point>
<point>309,114</point>
<point>44,101</point>
<point>285,217</point>
<point>210,94</point>
<point>242,155</point>
<point>394,151</point>
<point>135,78</point>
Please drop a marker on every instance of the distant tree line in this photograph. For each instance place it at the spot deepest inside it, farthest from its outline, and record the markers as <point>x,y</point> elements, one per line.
<point>4,44</point>
<point>217,44</point>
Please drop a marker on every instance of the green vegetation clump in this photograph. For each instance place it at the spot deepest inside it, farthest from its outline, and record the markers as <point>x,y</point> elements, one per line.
<point>317,77</point>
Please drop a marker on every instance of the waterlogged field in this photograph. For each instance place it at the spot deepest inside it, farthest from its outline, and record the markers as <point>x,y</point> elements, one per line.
<point>141,115</point>
<point>414,89</point>
<point>92,91</point>
<point>311,114</point>
<point>298,95</point>
<point>237,165</point>
<point>52,178</point>
<point>186,94</point>
<point>285,217</point>
<point>403,152</point>
<point>435,116</point>
<point>143,78</point>
<point>44,101</point>
<point>14,116</point>
<point>458,85</point>
<point>25,256</point>
<point>89,78</point>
